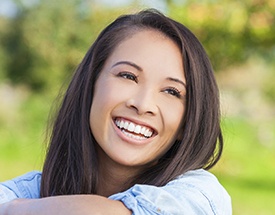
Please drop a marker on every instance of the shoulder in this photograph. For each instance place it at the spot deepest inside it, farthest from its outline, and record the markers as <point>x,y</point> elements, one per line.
<point>203,185</point>
<point>195,192</point>
<point>202,181</point>
<point>24,186</point>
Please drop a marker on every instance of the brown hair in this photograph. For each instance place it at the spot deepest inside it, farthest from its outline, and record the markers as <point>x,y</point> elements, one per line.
<point>71,162</point>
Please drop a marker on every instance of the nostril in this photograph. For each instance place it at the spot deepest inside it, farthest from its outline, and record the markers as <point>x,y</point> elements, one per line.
<point>131,104</point>
<point>141,105</point>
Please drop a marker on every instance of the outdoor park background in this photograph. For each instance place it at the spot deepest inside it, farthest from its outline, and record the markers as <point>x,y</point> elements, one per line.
<point>42,41</point>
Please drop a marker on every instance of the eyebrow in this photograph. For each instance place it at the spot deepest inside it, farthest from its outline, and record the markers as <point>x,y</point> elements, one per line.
<point>128,63</point>
<point>176,80</point>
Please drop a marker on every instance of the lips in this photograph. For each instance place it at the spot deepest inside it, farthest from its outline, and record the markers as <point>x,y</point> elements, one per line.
<point>133,130</point>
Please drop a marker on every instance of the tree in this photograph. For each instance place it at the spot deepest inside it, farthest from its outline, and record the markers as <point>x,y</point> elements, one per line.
<point>231,31</point>
<point>45,42</point>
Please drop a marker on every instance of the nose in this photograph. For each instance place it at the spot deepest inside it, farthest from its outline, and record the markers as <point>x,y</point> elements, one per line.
<point>143,102</point>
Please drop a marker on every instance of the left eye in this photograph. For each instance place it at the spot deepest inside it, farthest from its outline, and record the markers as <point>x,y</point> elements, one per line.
<point>128,75</point>
<point>173,91</point>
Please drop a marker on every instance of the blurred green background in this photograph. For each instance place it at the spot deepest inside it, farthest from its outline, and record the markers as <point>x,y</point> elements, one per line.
<point>42,42</point>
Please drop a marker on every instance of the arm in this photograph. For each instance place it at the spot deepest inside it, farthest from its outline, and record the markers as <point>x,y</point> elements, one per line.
<point>193,193</point>
<point>20,196</point>
<point>67,205</point>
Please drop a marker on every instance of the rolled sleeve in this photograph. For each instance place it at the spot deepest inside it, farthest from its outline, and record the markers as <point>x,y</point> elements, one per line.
<point>142,199</point>
<point>197,192</point>
<point>6,194</point>
<point>25,186</point>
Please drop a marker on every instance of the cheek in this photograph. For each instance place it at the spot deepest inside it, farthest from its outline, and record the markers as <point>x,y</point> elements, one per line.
<point>105,99</point>
<point>102,105</point>
<point>173,115</point>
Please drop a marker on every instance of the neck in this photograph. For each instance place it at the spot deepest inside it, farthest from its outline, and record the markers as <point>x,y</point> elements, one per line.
<point>112,182</point>
<point>113,177</point>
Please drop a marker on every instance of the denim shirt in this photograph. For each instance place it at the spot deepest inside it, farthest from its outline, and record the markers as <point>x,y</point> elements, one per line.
<point>195,192</point>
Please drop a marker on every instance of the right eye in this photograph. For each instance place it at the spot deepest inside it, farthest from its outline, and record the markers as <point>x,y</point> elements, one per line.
<point>128,75</point>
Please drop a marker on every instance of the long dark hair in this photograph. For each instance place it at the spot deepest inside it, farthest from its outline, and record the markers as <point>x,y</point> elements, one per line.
<point>71,163</point>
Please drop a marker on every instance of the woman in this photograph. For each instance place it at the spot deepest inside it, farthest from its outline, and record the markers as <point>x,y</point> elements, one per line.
<point>138,128</point>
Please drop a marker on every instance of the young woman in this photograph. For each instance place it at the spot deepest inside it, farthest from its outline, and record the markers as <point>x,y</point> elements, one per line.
<point>138,128</point>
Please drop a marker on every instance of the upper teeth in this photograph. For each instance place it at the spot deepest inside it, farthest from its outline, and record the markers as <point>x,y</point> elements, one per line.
<point>130,126</point>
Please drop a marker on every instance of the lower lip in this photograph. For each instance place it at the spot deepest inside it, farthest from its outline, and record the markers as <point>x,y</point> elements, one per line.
<point>130,140</point>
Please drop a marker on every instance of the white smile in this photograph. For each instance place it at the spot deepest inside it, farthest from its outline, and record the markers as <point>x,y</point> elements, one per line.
<point>133,130</point>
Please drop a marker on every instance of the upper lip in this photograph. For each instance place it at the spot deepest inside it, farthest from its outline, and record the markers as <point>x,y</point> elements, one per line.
<point>138,122</point>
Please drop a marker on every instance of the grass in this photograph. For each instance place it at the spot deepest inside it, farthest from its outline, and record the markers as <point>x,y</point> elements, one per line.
<point>247,168</point>
<point>22,138</point>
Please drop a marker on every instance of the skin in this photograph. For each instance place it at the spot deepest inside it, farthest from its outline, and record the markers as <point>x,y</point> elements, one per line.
<point>67,205</point>
<point>142,82</point>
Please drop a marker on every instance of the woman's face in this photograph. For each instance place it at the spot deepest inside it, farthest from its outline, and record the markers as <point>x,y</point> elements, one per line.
<point>139,100</point>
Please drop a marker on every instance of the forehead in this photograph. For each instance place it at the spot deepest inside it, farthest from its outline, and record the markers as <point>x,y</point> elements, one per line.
<point>148,47</point>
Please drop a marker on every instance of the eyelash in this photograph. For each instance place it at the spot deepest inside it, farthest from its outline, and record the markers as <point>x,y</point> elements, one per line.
<point>128,75</point>
<point>171,90</point>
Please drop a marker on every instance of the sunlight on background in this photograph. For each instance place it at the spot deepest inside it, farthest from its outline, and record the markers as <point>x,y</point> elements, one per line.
<point>43,41</point>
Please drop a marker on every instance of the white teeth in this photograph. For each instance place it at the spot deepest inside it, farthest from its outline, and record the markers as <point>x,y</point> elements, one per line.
<point>143,129</point>
<point>148,133</point>
<point>138,129</point>
<point>133,136</point>
<point>131,127</point>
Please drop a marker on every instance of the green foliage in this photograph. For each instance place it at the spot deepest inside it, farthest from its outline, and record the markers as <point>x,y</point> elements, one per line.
<point>3,56</point>
<point>43,44</point>
<point>246,170</point>
<point>22,130</point>
<point>231,31</point>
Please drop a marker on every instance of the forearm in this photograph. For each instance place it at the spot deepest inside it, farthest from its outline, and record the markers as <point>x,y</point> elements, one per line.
<point>67,205</point>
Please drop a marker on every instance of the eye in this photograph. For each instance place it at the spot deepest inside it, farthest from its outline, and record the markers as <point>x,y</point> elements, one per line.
<point>128,75</point>
<point>173,91</point>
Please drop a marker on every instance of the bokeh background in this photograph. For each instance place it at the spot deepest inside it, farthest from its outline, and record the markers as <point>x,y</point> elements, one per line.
<point>42,42</point>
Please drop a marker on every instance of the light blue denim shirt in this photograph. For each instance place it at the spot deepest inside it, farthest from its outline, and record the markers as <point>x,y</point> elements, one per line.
<point>195,192</point>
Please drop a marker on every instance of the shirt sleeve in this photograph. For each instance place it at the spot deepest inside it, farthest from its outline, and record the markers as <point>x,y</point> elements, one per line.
<point>6,194</point>
<point>195,192</point>
<point>25,186</point>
